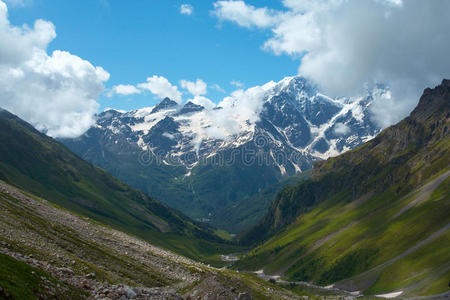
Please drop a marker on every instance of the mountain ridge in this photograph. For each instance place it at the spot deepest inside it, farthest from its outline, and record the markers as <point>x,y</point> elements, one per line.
<point>372,220</point>
<point>175,153</point>
<point>338,166</point>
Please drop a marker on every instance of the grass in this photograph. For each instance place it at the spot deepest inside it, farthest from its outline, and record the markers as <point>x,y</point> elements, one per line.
<point>373,239</point>
<point>90,257</point>
<point>21,281</point>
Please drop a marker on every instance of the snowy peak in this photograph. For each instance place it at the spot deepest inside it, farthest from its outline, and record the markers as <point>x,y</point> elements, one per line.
<point>190,107</point>
<point>164,104</point>
<point>295,119</point>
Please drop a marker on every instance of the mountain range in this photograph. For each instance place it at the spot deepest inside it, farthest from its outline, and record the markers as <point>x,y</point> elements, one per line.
<point>371,220</point>
<point>208,162</point>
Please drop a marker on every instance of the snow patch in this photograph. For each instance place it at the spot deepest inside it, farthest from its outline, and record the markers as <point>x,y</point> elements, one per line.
<point>390,295</point>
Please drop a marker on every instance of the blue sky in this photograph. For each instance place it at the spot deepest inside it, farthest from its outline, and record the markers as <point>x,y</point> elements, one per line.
<point>133,40</point>
<point>52,73</point>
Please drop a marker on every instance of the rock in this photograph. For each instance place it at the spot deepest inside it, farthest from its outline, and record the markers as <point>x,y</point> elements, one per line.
<point>86,285</point>
<point>208,296</point>
<point>130,293</point>
<point>66,271</point>
<point>90,276</point>
<point>244,296</point>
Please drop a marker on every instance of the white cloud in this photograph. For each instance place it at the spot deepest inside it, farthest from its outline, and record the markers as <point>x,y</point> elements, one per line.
<point>244,14</point>
<point>348,45</point>
<point>196,88</point>
<point>236,83</point>
<point>341,129</point>
<point>218,88</point>
<point>203,101</point>
<point>186,9</point>
<point>55,92</point>
<point>125,89</point>
<point>237,113</point>
<point>241,108</point>
<point>161,87</point>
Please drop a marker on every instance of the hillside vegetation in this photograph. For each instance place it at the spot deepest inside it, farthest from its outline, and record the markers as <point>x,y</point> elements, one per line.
<point>40,165</point>
<point>375,219</point>
<point>47,252</point>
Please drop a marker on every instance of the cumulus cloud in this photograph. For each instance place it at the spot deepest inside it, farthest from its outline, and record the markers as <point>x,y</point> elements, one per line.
<point>196,88</point>
<point>161,87</point>
<point>125,90</point>
<point>348,45</point>
<point>186,9</point>
<point>244,14</point>
<point>55,92</point>
<point>236,83</point>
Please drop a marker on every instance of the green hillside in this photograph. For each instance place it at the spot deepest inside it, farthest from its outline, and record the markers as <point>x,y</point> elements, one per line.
<point>375,219</point>
<point>40,165</point>
<point>242,215</point>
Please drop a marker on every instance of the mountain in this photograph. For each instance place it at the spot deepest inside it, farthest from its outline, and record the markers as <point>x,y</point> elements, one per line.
<point>181,155</point>
<point>374,219</point>
<point>40,165</point>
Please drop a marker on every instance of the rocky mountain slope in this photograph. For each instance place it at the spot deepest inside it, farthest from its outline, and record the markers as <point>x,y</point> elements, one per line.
<point>40,165</point>
<point>372,220</point>
<point>49,253</point>
<point>203,161</point>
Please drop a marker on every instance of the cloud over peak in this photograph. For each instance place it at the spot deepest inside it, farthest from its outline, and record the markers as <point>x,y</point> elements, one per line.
<point>161,87</point>
<point>348,45</point>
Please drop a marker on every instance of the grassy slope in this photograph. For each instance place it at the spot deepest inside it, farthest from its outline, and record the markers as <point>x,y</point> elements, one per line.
<point>96,248</point>
<point>347,224</point>
<point>21,281</point>
<point>40,165</point>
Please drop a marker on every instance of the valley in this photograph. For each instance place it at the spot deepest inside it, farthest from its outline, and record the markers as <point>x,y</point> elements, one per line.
<point>225,150</point>
<point>174,153</point>
<point>358,224</point>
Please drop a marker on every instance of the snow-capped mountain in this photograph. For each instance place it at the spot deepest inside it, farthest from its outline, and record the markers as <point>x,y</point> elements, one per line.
<point>249,141</point>
<point>295,118</point>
